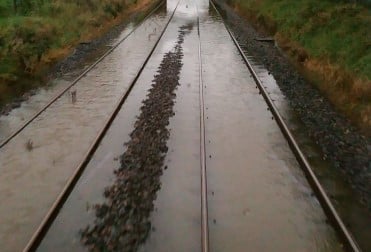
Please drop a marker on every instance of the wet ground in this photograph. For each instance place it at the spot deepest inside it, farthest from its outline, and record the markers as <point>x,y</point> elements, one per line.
<point>258,197</point>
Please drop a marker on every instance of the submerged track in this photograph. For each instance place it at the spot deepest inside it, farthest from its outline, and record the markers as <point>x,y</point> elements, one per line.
<point>58,204</point>
<point>329,209</point>
<point>204,210</point>
<point>326,204</point>
<point>83,74</point>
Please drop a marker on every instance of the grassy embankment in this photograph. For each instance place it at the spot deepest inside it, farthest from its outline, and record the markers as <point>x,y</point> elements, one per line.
<point>38,33</point>
<point>331,42</point>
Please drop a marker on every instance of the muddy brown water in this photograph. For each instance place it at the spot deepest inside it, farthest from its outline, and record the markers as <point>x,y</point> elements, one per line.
<point>258,197</point>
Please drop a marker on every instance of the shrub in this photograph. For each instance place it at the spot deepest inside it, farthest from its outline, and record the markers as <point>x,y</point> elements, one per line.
<point>29,42</point>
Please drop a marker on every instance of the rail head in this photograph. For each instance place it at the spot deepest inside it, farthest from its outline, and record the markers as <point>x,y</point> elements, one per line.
<point>329,209</point>
<point>204,203</point>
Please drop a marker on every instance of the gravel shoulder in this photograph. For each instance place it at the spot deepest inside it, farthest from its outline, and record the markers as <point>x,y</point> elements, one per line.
<point>340,142</point>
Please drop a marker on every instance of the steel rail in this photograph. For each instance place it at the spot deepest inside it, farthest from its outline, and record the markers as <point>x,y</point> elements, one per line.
<point>56,97</point>
<point>329,209</point>
<point>46,223</point>
<point>204,207</point>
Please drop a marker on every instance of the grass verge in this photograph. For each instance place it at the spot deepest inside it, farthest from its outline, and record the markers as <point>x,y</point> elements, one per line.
<point>35,37</point>
<point>330,41</point>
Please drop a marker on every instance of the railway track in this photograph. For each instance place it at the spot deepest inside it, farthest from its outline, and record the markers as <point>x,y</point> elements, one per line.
<point>58,204</point>
<point>204,208</point>
<point>326,204</point>
<point>73,83</point>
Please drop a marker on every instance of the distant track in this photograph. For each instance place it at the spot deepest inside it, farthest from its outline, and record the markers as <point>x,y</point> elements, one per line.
<point>204,208</point>
<point>43,228</point>
<point>342,231</point>
<point>56,97</point>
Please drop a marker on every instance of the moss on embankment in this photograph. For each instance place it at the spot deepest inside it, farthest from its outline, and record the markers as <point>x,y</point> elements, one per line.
<point>38,33</point>
<point>331,43</point>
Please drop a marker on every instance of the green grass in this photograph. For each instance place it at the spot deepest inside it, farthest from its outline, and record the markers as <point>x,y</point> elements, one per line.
<point>335,30</point>
<point>36,27</point>
<point>331,40</point>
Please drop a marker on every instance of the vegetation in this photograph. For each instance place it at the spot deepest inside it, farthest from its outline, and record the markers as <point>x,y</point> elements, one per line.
<point>331,39</point>
<point>36,33</point>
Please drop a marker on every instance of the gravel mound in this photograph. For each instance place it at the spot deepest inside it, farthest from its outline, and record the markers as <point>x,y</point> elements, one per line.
<point>122,222</point>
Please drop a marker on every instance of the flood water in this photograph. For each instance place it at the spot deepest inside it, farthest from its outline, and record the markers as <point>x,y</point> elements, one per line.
<point>256,188</point>
<point>37,163</point>
<point>355,216</point>
<point>258,197</point>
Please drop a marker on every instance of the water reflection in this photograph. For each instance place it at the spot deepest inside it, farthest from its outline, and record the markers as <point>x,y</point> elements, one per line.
<point>258,198</point>
<point>37,163</point>
<point>355,215</point>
